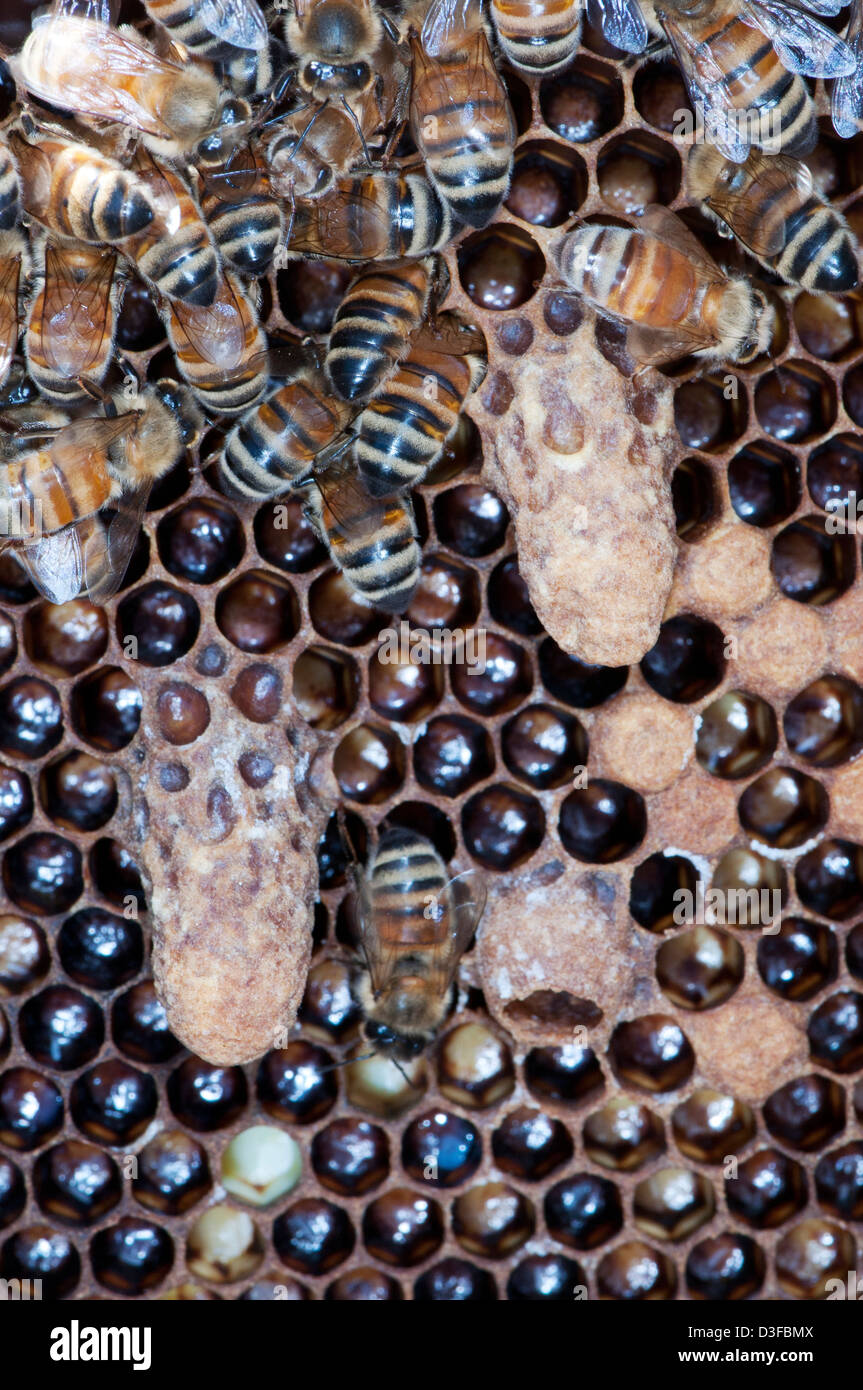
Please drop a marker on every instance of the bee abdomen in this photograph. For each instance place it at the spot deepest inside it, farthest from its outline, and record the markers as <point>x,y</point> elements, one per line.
<point>819,251</point>
<point>183,266</point>
<point>97,204</point>
<point>473,175</point>
<point>247,236</point>
<point>277,443</point>
<point>406,876</point>
<point>181,17</point>
<point>10,191</point>
<point>383,566</point>
<point>373,326</point>
<point>538,39</point>
<point>422,222</point>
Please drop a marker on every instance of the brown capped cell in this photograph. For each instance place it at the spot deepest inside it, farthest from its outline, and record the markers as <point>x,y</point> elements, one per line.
<point>806,1112</point>
<point>835,1032</point>
<point>38,1252</point>
<point>737,735</point>
<point>350,1156</point>
<point>31,718</point>
<point>636,1271</point>
<point>699,968</point>
<point>182,711</point>
<point>77,791</point>
<point>839,1181</point>
<point>766,1189</point>
<point>257,612</point>
<point>157,624</point>
<point>725,1266</point>
<point>139,1025</point>
<point>339,614</point>
<point>529,1144</point>
<point>447,596</point>
<point>364,1285</point>
<point>710,1124</point>
<point>24,955</point>
<point>113,1103</point>
<point>742,873</point>
<point>810,564</point>
<point>76,1182</point>
<point>796,403</point>
<point>65,638</point>
<point>369,764</point>
<point>549,184</point>
<point>257,692</point>
<point>106,708</point>
<point>31,1109</point>
<point>829,879</point>
<point>623,1135</point>
<point>375,1084</point>
<point>502,826</point>
<point>295,1084</point>
<point>325,686</point>
<point>286,538</point>
<point>471,520</point>
<point>492,1220</point>
<point>547,1278</point>
<point>652,1053</point>
<point>224,1245</point>
<point>401,689</point>
<point>813,1257</point>
<point>705,417</point>
<point>329,1012</point>
<point>499,683</point>
<point>13,1192</point>
<point>583,1211</point>
<point>173,1173</point>
<point>402,1227</point>
<point>602,822</point>
<point>475,1067</point>
<point>764,483</point>
<point>672,1203</point>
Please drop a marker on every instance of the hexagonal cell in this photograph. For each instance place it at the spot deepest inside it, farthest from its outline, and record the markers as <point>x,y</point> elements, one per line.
<point>699,968</point>
<point>660,94</point>
<point>654,890</point>
<point>602,822</point>
<point>672,1203</point>
<point>834,477</point>
<point>310,293</point>
<point>836,165</point>
<point>106,708</point>
<point>824,723</point>
<point>710,412</point>
<point>687,661</point>
<point>812,564</point>
<point>583,102</point>
<point>448,595</point>
<point>369,764</point>
<point>470,519</point>
<point>326,686</point>
<point>64,639</point>
<point>549,183</point>
<point>635,170</point>
<point>795,402</point>
<point>452,754</point>
<point>829,327</point>
<point>764,484</point>
<point>693,494</point>
<point>798,960</point>
<point>502,826</point>
<point>500,267</point>
<point>737,734</point>
<point>258,611</point>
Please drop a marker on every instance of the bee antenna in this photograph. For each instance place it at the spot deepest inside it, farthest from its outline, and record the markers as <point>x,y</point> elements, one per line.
<point>346,1061</point>
<point>397,1064</point>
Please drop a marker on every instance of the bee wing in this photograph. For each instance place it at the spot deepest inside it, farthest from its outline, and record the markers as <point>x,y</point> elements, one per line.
<point>446,23</point>
<point>457,908</point>
<point>238,22</point>
<point>75,318</point>
<point>110,544</point>
<point>622,23</point>
<point>801,43</point>
<point>355,512</point>
<point>74,443</point>
<point>445,334</point>
<point>217,333</point>
<point>10,275</point>
<point>104,11</point>
<point>650,346</point>
<point>767,236</point>
<point>55,564</point>
<point>707,87</point>
<point>846,100</point>
<point>666,226</point>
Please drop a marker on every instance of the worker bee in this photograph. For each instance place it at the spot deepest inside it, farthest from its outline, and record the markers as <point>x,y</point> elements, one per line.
<point>208,27</point>
<point>460,115</point>
<point>248,72</point>
<point>245,221</point>
<point>10,190</point>
<point>85,66</point>
<point>415,922</point>
<point>71,320</point>
<point>846,99</point>
<point>220,349</point>
<point>771,206</point>
<point>659,280</point>
<point>379,314</point>
<point>402,431</point>
<point>14,268</point>
<point>58,479</point>
<point>75,191</point>
<point>538,36</point>
<point>175,251</point>
<point>319,143</point>
<point>742,61</point>
<point>378,217</point>
<point>342,47</point>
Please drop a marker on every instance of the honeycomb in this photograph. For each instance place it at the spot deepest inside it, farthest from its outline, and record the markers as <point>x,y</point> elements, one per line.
<point>710,1148</point>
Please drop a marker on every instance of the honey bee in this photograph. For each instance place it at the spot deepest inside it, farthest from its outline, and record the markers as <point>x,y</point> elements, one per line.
<point>74,191</point>
<point>538,36</point>
<point>86,66</point>
<point>846,99</point>
<point>245,221</point>
<point>772,207</point>
<point>175,252</point>
<point>750,90</point>
<point>10,190</point>
<point>378,217</point>
<point>57,480</point>
<point>342,47</point>
<point>208,27</point>
<point>373,543</point>
<point>14,267</point>
<point>402,432</point>
<point>220,349</point>
<point>71,320</point>
<point>379,314</point>
<point>660,281</point>
<point>415,923</point>
<point>460,115</point>
<point>316,144</point>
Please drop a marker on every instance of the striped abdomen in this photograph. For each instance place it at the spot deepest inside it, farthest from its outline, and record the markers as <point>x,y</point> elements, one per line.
<point>819,252</point>
<point>277,442</point>
<point>248,71</point>
<point>404,429</point>
<point>379,217</point>
<point>373,326</point>
<point>463,126</point>
<point>247,234</point>
<point>380,559</point>
<point>405,876</point>
<point>220,350</point>
<point>182,19</point>
<point>10,190</point>
<point>782,114</point>
<point>638,278</point>
<point>538,36</point>
<point>176,252</point>
<point>37,496</point>
<point>71,321</point>
<point>75,192</point>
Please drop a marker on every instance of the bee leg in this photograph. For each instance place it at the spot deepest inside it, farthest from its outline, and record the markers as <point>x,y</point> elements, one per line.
<point>366,156</point>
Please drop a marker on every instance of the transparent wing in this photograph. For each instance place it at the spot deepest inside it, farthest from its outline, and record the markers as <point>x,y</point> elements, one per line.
<point>216,333</point>
<point>444,333</point>
<point>458,908</point>
<point>10,274</point>
<point>353,510</point>
<point>771,177</point>
<point>822,7</point>
<point>650,346</point>
<point>74,443</point>
<point>622,23</point>
<point>75,319</point>
<point>55,564</point>
<point>846,101</point>
<point>104,11</point>
<point>111,543</point>
<point>707,87</point>
<point>801,43</point>
<point>446,23</point>
<point>238,22</point>
<point>667,227</point>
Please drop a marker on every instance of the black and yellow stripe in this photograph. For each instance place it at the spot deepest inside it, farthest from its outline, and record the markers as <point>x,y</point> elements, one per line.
<point>372,329</point>
<point>277,443</point>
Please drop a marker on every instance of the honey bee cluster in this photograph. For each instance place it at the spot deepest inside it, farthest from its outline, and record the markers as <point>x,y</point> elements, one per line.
<point>199,158</point>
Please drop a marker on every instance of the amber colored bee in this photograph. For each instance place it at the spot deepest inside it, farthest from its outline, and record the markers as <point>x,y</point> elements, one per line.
<point>659,280</point>
<point>14,267</point>
<point>742,61</point>
<point>245,221</point>
<point>207,27</point>
<point>374,543</point>
<point>220,349</point>
<point>54,487</point>
<point>415,923</point>
<point>381,311</point>
<point>460,115</point>
<point>10,190</point>
<point>317,144</point>
<point>342,47</point>
<point>75,191</point>
<point>102,75</point>
<point>402,431</point>
<point>379,217</point>
<point>538,36</point>
<point>771,206</point>
<point>175,252</point>
<point>71,320</point>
